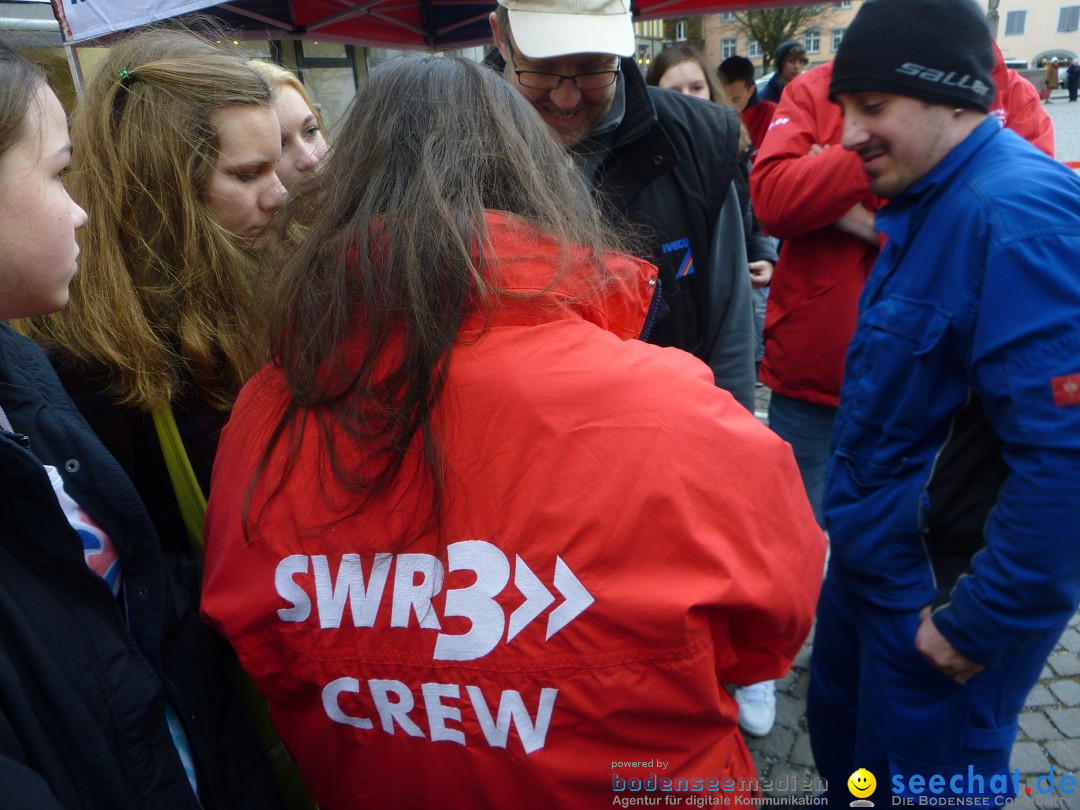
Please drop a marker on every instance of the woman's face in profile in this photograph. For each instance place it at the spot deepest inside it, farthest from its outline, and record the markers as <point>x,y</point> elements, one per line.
<point>38,219</point>
<point>302,142</point>
<point>244,191</point>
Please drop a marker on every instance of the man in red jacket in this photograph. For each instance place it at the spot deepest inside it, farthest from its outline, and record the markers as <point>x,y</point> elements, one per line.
<point>818,200</point>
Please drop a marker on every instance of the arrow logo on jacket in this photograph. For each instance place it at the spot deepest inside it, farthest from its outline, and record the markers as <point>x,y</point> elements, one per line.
<point>576,598</point>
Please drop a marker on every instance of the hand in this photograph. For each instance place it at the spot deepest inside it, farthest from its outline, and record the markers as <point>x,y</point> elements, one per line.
<point>936,649</point>
<point>817,149</point>
<point>760,274</point>
<point>859,222</point>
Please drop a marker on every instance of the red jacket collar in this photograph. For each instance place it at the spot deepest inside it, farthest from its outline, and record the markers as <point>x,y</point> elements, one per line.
<point>522,261</point>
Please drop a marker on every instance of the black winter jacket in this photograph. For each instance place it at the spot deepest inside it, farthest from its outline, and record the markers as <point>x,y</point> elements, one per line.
<point>130,437</point>
<point>83,675</point>
<point>672,173</point>
<point>774,89</point>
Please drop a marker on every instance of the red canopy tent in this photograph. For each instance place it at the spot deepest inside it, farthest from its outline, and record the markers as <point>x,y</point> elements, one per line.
<point>432,24</point>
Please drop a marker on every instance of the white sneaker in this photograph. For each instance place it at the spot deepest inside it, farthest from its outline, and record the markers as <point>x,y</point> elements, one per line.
<point>757,707</point>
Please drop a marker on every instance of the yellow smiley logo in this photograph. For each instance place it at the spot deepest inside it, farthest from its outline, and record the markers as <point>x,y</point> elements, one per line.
<point>861,783</point>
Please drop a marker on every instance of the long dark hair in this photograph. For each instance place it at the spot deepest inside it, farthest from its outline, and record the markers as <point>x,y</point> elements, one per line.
<point>387,244</point>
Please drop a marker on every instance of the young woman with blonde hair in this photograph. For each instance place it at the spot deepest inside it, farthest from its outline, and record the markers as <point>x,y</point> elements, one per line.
<point>303,134</point>
<point>177,144</point>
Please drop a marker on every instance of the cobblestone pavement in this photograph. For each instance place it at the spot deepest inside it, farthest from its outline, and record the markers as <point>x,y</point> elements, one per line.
<point>1049,735</point>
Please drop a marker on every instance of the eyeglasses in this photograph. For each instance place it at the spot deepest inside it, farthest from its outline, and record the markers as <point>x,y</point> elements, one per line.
<point>540,80</point>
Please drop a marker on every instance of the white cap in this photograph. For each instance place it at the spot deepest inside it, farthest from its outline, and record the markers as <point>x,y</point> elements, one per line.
<point>546,28</point>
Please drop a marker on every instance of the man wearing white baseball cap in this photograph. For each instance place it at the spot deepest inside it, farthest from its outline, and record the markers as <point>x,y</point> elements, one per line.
<point>665,162</point>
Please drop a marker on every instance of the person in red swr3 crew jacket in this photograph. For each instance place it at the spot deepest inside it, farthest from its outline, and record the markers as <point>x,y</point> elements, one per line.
<point>478,544</point>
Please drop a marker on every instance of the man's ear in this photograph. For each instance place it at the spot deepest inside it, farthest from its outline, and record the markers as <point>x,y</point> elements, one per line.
<point>497,36</point>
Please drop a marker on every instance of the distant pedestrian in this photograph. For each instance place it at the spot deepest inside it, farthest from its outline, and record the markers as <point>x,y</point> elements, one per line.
<point>790,62</point>
<point>954,567</point>
<point>1072,78</point>
<point>681,67</point>
<point>1050,80</point>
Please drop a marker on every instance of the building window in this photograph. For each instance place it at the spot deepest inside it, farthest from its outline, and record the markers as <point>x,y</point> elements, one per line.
<point>729,46</point>
<point>844,5</point>
<point>1015,23</point>
<point>837,37</point>
<point>649,29</point>
<point>1069,19</point>
<point>727,16</point>
<point>680,31</point>
<point>753,48</point>
<point>812,41</point>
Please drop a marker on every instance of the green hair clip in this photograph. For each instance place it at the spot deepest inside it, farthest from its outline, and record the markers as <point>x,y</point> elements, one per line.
<point>125,76</point>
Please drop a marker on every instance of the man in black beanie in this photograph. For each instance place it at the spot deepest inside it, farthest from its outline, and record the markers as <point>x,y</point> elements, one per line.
<point>954,567</point>
<point>936,57</point>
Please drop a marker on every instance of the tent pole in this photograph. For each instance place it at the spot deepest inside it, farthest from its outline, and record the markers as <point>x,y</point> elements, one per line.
<point>75,66</point>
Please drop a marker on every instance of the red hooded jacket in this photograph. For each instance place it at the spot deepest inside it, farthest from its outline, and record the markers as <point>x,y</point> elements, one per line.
<point>606,565</point>
<point>813,298</point>
<point>811,313</point>
<point>757,118</point>
<point>1017,106</point>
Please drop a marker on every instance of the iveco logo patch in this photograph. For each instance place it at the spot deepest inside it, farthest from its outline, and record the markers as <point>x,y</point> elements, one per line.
<point>949,79</point>
<point>686,265</point>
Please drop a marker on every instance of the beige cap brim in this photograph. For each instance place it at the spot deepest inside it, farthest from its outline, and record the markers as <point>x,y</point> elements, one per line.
<point>541,35</point>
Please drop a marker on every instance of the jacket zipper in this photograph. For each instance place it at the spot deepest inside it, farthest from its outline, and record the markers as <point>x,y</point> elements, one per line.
<point>924,494</point>
<point>654,310</point>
